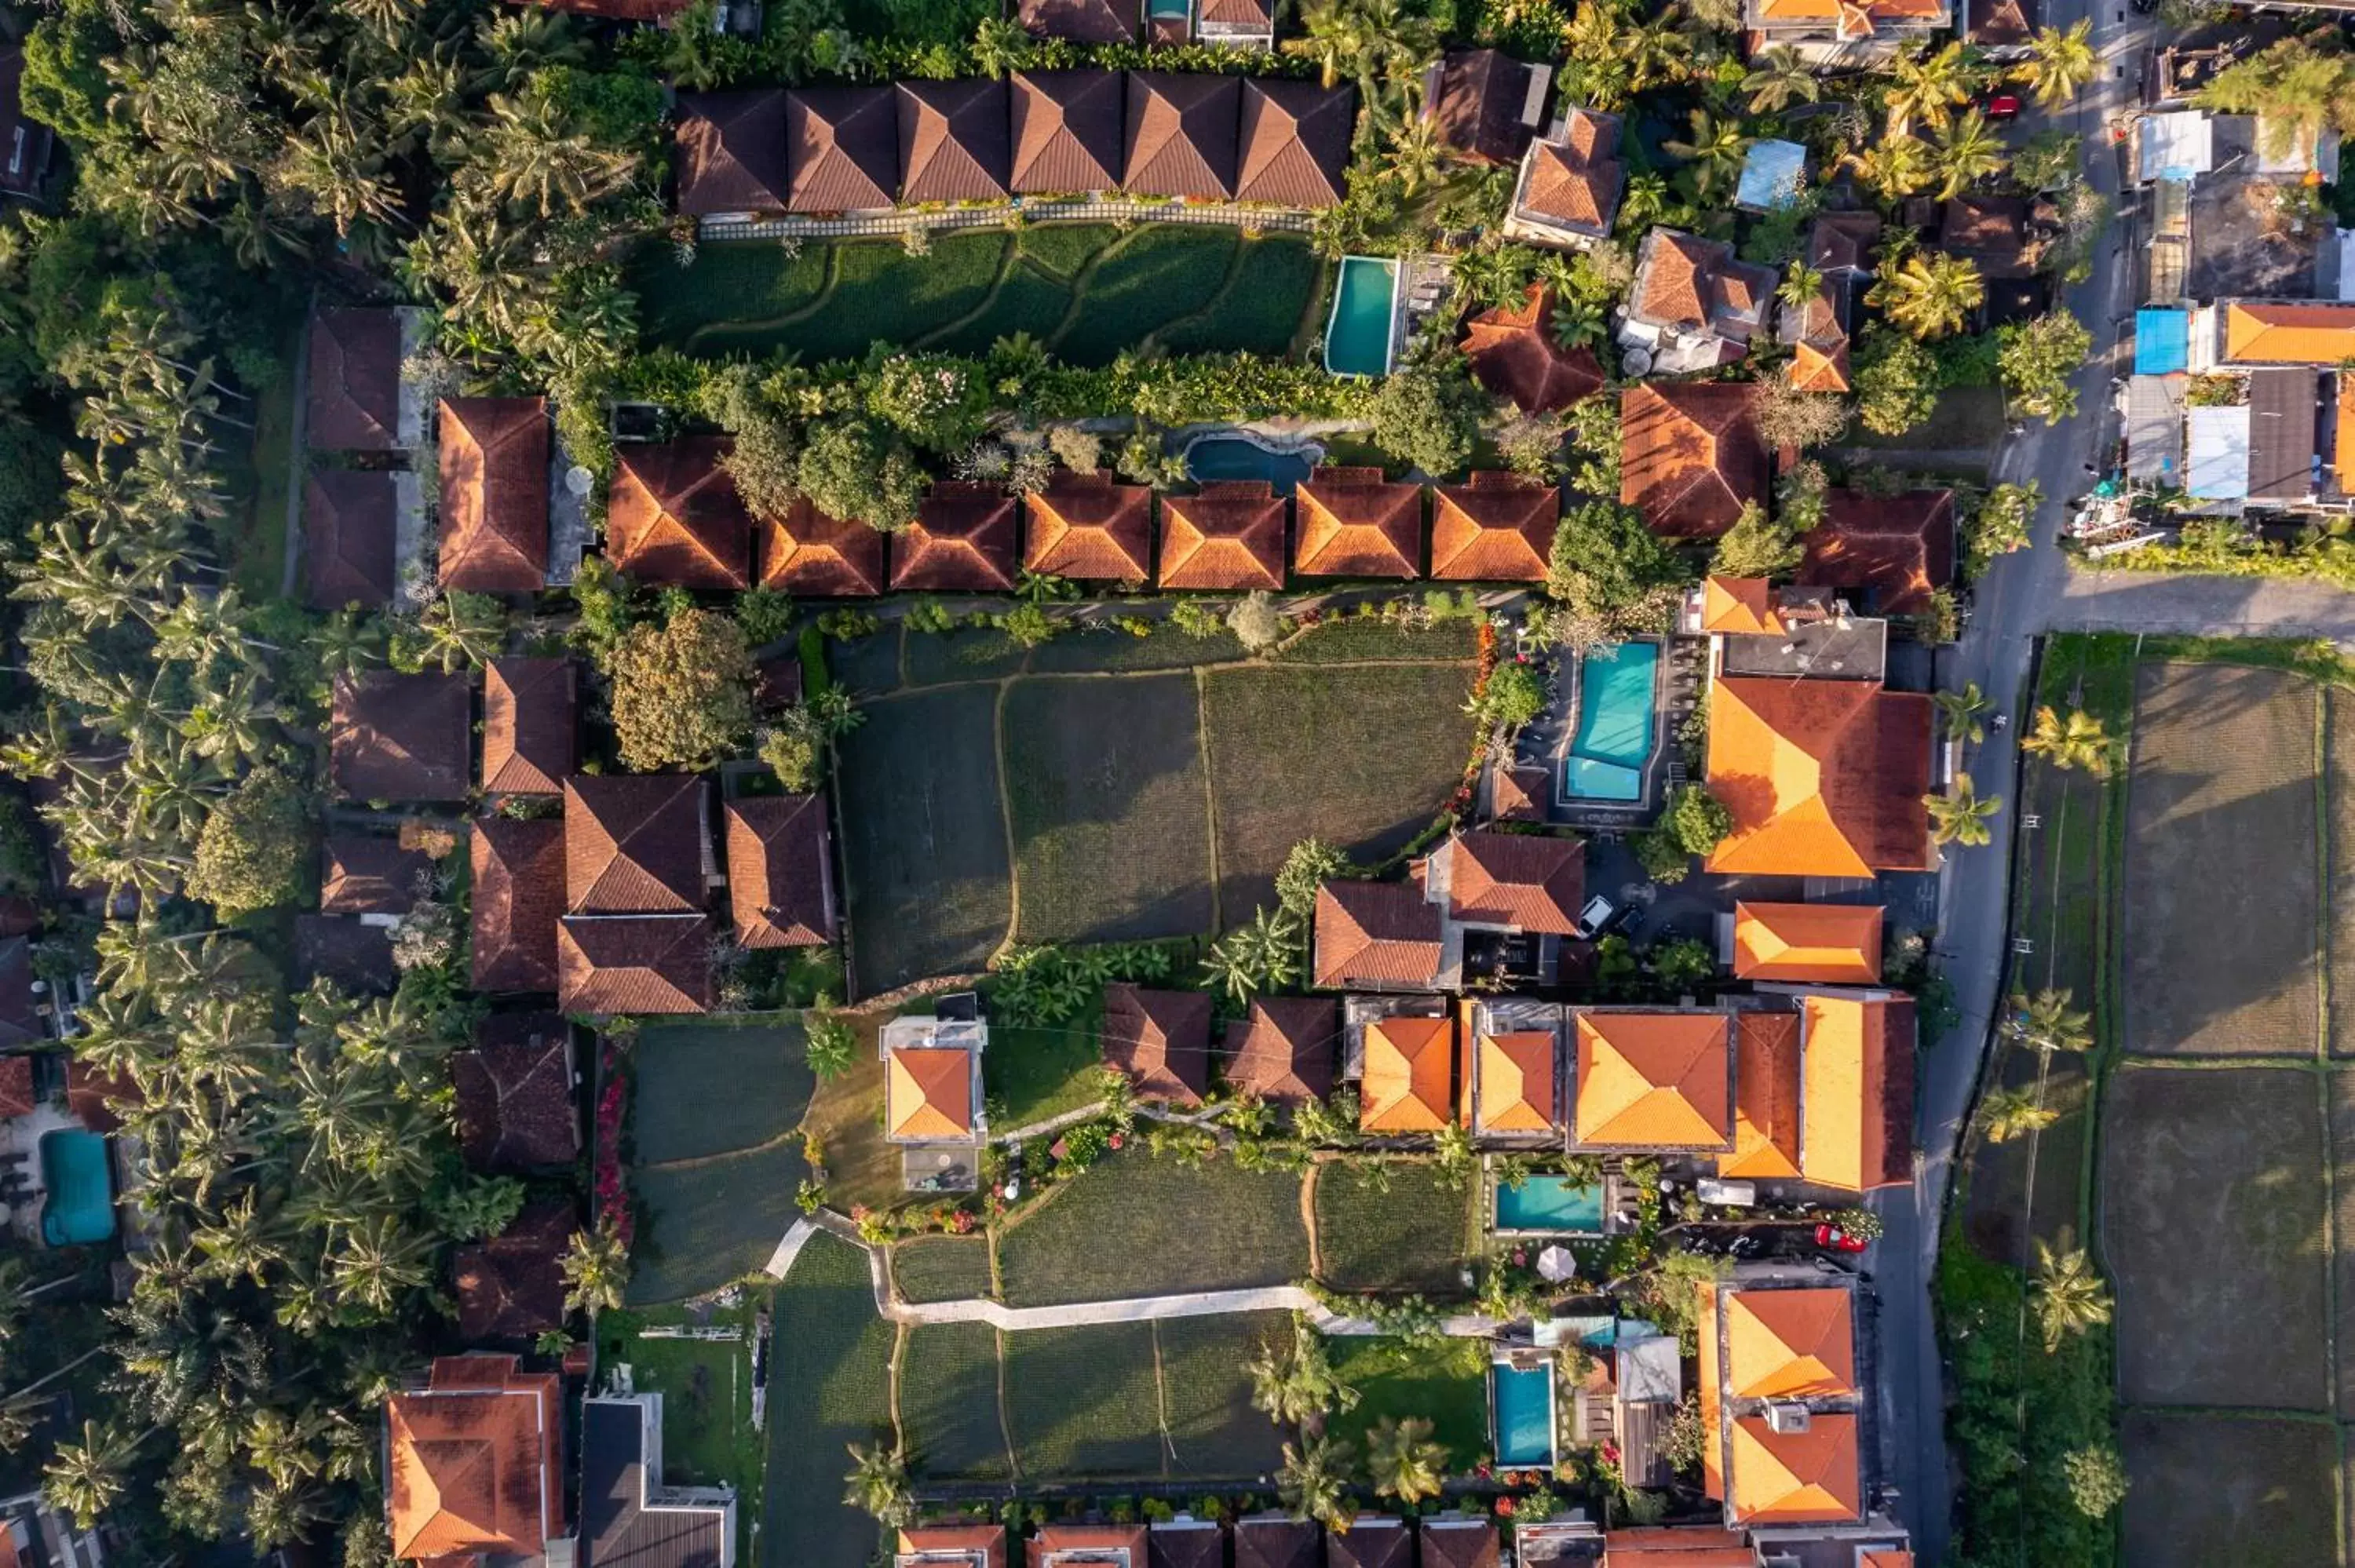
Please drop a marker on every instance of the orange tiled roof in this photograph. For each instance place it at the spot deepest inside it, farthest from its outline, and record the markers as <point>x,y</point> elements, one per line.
<point>1690,456</point>
<point>1830,944</point>
<point>1499,527</point>
<point>1794,1477</point>
<point>1677,283</point>
<point>1818,367</point>
<point>807,552</point>
<point>477,1461</point>
<point>1741,607</point>
<point>527,725</point>
<point>1767,1098</point>
<point>960,542</point>
<point>1898,550</point>
<point>1713,1451</point>
<point>1226,538</point>
<point>1790,1344</point>
<point>989,1540</point>
<point>1576,181</point>
<point>1513,353</point>
<point>1084,525</point>
<point>674,516</point>
<point>1517,880</point>
<point>1822,778</point>
<point>1088,1538</point>
<point>927,1093</point>
<point>1677,1546</point>
<point>2321,334</point>
<point>1353,524</point>
<point>1517,1075</point>
<point>1409,1075</point>
<point>1873,11</point>
<point>1856,1062</point>
<point>1372,932</point>
<point>1885,1557</point>
<point>1654,1080</point>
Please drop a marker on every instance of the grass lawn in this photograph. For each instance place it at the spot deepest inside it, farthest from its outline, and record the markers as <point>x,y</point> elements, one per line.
<point>709,1224</point>
<point>1111,831</point>
<point>845,1116</point>
<point>1135,1225</point>
<point>1446,1385</point>
<point>948,1402</point>
<point>253,533</point>
<point>1205,1393</point>
<point>1030,1073</point>
<point>2216,1488</point>
<point>760,1066</point>
<point>1413,1234</point>
<point>707,1389</point>
<point>1084,1401</point>
<point>830,1386</point>
<point>941,1268</point>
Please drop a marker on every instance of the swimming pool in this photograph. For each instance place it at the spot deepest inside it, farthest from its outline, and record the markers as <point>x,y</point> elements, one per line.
<point>1240,457</point>
<point>1523,1414</point>
<point>1553,1204</point>
<point>1357,335</point>
<point>79,1208</point>
<point>1616,708</point>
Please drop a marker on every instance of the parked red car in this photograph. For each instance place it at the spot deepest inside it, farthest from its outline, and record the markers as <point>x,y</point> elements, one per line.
<point>1832,1237</point>
<point>2001,106</point>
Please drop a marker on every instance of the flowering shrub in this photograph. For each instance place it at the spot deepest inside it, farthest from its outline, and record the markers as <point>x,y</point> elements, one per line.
<point>612,1191</point>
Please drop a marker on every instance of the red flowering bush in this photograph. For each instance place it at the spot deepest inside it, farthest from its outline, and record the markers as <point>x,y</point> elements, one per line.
<point>610,1180</point>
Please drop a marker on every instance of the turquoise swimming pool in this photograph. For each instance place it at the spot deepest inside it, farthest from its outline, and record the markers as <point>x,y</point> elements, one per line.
<point>1357,335</point>
<point>1615,714</point>
<point>1239,457</point>
<point>1523,1404</point>
<point>1551,1203</point>
<point>79,1207</point>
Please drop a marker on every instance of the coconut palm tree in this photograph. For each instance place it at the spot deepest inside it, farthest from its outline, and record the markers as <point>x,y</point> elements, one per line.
<point>1715,150</point>
<point>530,155</point>
<point>86,1479</point>
<point>1314,1482</point>
<point>1294,1384</point>
<point>2046,1022</point>
<point>1799,286</point>
<point>1929,295</point>
<point>596,1270</point>
<point>2070,1298</point>
<point>2058,64</point>
<point>878,1483</point>
<point>1959,816</point>
<point>2008,1113</point>
<point>241,1242</point>
<point>463,630</point>
<point>1778,78</point>
<point>1375,40</point>
<point>21,1411</point>
<point>1414,154</point>
<point>1001,47</point>
<point>1966,153</point>
<point>1931,85</point>
<point>282,1513</point>
<point>1644,203</point>
<point>379,1258</point>
<point>2075,740</point>
<point>1959,712</point>
<point>1659,53</point>
<point>1403,1461</point>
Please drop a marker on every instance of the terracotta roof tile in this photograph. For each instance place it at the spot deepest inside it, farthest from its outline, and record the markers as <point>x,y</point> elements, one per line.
<point>842,148</point>
<point>1740,605</point>
<point>400,737</point>
<point>1826,944</point>
<point>16,1086</point>
<point>1410,1076</point>
<point>512,1285</point>
<point>1673,289</point>
<point>495,456</point>
<point>1084,525</point>
<point>1992,231</point>
<point>1516,880</point>
<point>359,875</point>
<point>1181,134</point>
<point>1351,523</point>
<point>927,1093</point>
<point>1794,1477</point>
<point>1226,538</point>
<point>960,542</point>
<point>1576,181</point>
<point>809,554</point>
<point>1517,1073</point>
<point>1449,1545</point>
<point>1199,1543</point>
<point>779,871</point>
<point>1654,1080</point>
<point>616,964</point>
<point>1277,1543</point>
<point>1375,932</point>
<point>1479,102</point>
<point>1237,13</point>
<point>518,895</point>
<point>1499,527</point>
<point>1822,778</point>
<point>348,526</point>
<point>477,1461</point>
<point>1856,1065</point>
<point>2321,334</point>
<point>954,143</point>
<point>1161,1039</point>
<point>1767,1098</point>
<point>674,517</point>
<point>1896,550</point>
<point>1520,794</point>
<point>1067,127</point>
<point>731,152</point>
<point>1083,21</point>
<point>1790,1344</point>
<point>1677,1546</point>
<point>354,383</point>
<point>1513,353</point>
<point>1371,1543</point>
<point>528,725</point>
<point>633,843</point>
<point>1076,1538</point>
<point>515,1106</point>
<point>1284,1049</point>
<point>1843,242</point>
<point>1690,456</point>
<point>1294,142</point>
<point>988,1538</point>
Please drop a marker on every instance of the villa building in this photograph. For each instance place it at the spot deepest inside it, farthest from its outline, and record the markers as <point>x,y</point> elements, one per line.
<point>1692,306</point>
<point>1691,458</point>
<point>932,1097</point>
<point>1781,1402</point>
<point>1845,32</point>
<point>1567,191</point>
<point>474,1463</point>
<point>629,1517</point>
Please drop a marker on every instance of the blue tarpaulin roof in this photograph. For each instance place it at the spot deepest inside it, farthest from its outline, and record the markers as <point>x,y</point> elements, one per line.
<point>2162,341</point>
<point>1773,174</point>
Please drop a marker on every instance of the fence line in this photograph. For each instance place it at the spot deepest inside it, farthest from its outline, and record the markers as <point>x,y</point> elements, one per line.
<point>1216,215</point>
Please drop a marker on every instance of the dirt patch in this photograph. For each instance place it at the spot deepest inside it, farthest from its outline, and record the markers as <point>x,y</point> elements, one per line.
<point>2339,794</point>
<point>2220,897</point>
<point>2215,1490</point>
<point>2212,1228</point>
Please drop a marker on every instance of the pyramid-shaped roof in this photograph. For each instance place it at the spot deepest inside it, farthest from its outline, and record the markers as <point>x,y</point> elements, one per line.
<point>609,965</point>
<point>814,555</point>
<point>731,152</point>
<point>1085,526</point>
<point>1821,777</point>
<point>1284,1054</point>
<point>1371,1540</point>
<point>1181,134</point>
<point>1294,142</point>
<point>1514,354</point>
<point>1794,1477</point>
<point>514,1092</point>
<point>960,542</point>
<point>1790,1344</point>
<point>673,517</point>
<point>1409,1075</point>
<point>353,385</point>
<point>349,523</point>
<point>1517,1081</point>
<point>1459,1544</point>
<point>1066,128</point>
<point>399,737</point>
<point>475,1461</point>
<point>952,141</point>
<point>1741,607</point>
<point>1690,456</point>
<point>842,148</point>
<point>363,874</point>
<point>518,896</point>
<point>1374,933</point>
<point>1229,538</point>
<point>1894,551</point>
<point>1277,1543</point>
<point>528,725</point>
<point>1516,880</point>
<point>511,1285</point>
<point>1654,1080</point>
<point>633,843</point>
<point>927,1093</point>
<point>779,871</point>
<point>1767,1098</point>
<point>1351,523</point>
<point>1161,1039</point>
<point>1830,944</point>
<point>1498,527</point>
<point>1574,180</point>
<point>1856,1091</point>
<point>494,456</point>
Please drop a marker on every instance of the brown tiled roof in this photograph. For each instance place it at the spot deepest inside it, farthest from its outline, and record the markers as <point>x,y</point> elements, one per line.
<point>15,1085</point>
<point>1284,1051</point>
<point>1499,527</point>
<point>1518,880</point>
<point>1375,931</point>
<point>1078,1538</point>
<point>1991,232</point>
<point>1081,21</point>
<point>1199,1544</point>
<point>477,1461</point>
<point>1295,139</point>
<point>960,542</point>
<point>1514,354</point>
<point>1067,127</point>
<point>1084,525</point>
<point>1236,13</point>
<point>989,1540</point>
<point>807,552</point>
<point>780,871</point>
<point>519,897</point>
<point>514,1090</point>
<point>1575,180</point>
<point>633,963</point>
<point>1227,538</point>
<point>512,1285</point>
<point>354,384</point>
<point>1181,134</point>
<point>1690,456</point>
<point>1447,1544</point>
<point>95,1098</point>
<point>1819,362</point>
<point>1843,242</point>
<point>364,875</point>
<point>1478,105</point>
<point>1521,794</point>
<point>633,843</point>
<point>952,141</point>
<point>1371,1543</point>
<point>1674,287</point>
<point>1277,1543</point>
<point>1161,1039</point>
<point>1351,523</point>
<point>674,516</point>
<point>842,148</point>
<point>493,495</point>
<point>731,152</point>
<point>347,537</point>
<point>528,728</point>
<point>1897,550</point>
<point>341,948</point>
<point>400,737</point>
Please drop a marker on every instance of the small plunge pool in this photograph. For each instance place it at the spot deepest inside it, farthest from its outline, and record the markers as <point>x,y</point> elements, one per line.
<point>1522,1399</point>
<point>1239,456</point>
<point>79,1207</point>
<point>1359,335</point>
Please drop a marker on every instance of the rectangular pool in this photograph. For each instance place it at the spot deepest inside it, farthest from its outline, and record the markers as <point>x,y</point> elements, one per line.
<point>78,1208</point>
<point>1365,301</point>
<point>1551,1203</point>
<point>1523,1414</point>
<point>1616,707</point>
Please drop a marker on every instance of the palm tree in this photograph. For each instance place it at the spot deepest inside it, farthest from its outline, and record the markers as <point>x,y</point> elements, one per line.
<point>85,1478</point>
<point>2058,64</point>
<point>1969,151</point>
<point>1001,47</point>
<point>878,1484</point>
<point>596,1270</point>
<point>2077,740</point>
<point>1959,816</point>
<point>1930,86</point>
<point>1415,153</point>
<point>1645,202</point>
<point>463,630</point>
<point>2046,1022</point>
<point>1315,1482</point>
<point>1659,52</point>
<point>2069,1296</point>
<point>1379,41</point>
<point>1780,78</point>
<point>1716,151</point>
<point>1261,956</point>
<point>1959,712</point>
<point>1403,1461</point>
<point>2010,1113</point>
<point>1800,285</point>
<point>379,1260</point>
<point>20,1412</point>
<point>1578,322</point>
<point>529,155</point>
<point>1930,295</point>
<point>1297,1386</point>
